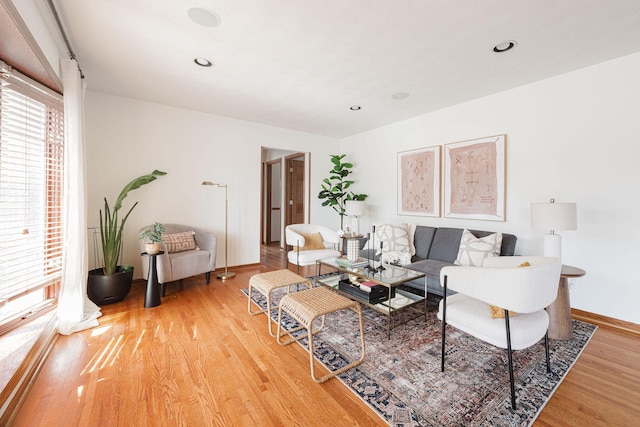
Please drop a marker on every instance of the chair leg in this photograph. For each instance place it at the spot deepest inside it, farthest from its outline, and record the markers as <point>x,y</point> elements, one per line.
<point>546,349</point>
<point>163,289</point>
<point>207,277</point>
<point>510,357</point>
<point>444,322</point>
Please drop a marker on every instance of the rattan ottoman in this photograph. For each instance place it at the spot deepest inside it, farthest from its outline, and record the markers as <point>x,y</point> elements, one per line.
<point>264,283</point>
<point>306,306</point>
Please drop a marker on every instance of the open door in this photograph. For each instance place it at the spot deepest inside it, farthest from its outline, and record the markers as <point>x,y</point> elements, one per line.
<point>295,190</point>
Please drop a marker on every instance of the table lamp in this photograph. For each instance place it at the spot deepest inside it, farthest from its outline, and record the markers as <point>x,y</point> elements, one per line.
<point>355,209</point>
<point>553,216</point>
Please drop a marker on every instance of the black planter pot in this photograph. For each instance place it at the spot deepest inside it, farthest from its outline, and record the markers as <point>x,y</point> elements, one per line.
<point>108,289</point>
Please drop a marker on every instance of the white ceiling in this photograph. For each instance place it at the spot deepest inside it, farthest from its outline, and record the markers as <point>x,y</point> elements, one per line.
<point>300,64</point>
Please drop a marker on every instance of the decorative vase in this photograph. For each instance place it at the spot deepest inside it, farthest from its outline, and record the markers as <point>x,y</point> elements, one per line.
<point>152,248</point>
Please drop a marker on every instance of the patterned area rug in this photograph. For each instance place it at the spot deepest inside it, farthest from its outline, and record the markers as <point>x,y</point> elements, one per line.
<point>401,380</point>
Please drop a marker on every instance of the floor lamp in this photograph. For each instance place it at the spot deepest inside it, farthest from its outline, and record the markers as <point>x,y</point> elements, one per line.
<point>227,274</point>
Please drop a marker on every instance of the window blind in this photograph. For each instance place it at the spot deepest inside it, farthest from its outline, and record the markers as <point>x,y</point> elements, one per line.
<point>31,174</point>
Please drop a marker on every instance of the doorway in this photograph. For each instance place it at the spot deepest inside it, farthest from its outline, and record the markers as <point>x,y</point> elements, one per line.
<point>285,193</point>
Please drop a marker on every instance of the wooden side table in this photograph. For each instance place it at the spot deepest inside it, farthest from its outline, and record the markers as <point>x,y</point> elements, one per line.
<point>560,326</point>
<point>152,295</point>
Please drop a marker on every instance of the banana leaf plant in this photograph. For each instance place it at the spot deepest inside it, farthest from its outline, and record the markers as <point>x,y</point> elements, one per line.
<point>111,230</point>
<point>335,188</point>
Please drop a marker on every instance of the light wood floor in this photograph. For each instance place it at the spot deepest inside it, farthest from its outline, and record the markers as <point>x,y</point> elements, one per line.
<point>200,360</point>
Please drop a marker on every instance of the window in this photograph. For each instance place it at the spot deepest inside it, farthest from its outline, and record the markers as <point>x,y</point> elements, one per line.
<point>31,174</point>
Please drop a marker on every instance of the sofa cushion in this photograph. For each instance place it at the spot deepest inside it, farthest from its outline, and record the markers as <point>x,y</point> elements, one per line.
<point>446,242</point>
<point>184,263</point>
<point>179,242</point>
<point>423,237</point>
<point>432,269</point>
<point>473,250</point>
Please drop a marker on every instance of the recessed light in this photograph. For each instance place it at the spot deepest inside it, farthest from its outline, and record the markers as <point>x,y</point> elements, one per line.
<point>203,62</point>
<point>204,17</point>
<point>505,46</point>
<point>355,108</point>
<point>400,95</point>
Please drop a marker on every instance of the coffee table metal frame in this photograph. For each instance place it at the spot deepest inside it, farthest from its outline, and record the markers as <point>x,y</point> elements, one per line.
<point>391,278</point>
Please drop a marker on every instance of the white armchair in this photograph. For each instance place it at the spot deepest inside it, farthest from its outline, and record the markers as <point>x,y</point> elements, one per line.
<point>307,248</point>
<point>187,263</point>
<point>501,282</point>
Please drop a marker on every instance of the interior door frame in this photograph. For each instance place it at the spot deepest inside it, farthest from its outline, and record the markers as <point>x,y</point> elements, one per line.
<point>307,189</point>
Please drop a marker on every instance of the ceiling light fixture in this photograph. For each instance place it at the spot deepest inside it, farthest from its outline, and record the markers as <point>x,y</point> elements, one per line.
<point>203,62</point>
<point>505,46</point>
<point>355,108</point>
<point>204,17</point>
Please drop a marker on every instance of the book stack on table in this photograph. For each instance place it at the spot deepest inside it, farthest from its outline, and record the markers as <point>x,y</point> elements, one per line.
<point>343,261</point>
<point>367,291</point>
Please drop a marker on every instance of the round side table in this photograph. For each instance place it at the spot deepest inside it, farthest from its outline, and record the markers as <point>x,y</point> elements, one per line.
<point>152,294</point>
<point>560,326</point>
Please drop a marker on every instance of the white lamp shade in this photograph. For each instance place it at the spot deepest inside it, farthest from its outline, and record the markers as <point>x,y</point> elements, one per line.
<point>554,216</point>
<point>354,207</point>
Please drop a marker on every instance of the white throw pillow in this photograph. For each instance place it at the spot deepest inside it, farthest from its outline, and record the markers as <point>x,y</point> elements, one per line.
<point>412,233</point>
<point>473,250</point>
<point>396,258</point>
<point>393,238</point>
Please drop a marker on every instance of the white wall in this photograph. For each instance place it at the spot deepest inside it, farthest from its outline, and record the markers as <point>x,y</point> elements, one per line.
<point>575,138</point>
<point>127,138</point>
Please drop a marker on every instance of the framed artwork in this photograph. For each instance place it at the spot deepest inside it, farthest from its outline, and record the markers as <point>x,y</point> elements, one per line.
<point>419,182</point>
<point>474,179</point>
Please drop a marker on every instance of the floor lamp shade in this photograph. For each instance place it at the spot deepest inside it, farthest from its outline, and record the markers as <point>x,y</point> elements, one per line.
<point>227,274</point>
<point>554,217</point>
<point>355,209</point>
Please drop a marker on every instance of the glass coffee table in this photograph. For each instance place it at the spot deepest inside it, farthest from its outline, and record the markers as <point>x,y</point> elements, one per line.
<point>375,288</point>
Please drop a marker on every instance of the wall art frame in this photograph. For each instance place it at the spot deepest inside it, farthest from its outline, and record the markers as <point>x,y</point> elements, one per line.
<point>475,179</point>
<point>419,184</point>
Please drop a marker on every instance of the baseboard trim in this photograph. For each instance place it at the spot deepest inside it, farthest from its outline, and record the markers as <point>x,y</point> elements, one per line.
<point>14,393</point>
<point>606,322</point>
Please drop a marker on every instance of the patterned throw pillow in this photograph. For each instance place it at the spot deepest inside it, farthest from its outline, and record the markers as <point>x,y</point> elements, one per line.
<point>396,258</point>
<point>180,242</point>
<point>474,250</point>
<point>393,237</point>
<point>311,241</point>
<point>497,312</point>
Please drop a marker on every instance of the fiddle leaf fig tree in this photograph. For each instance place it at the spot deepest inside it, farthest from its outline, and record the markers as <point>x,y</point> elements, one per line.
<point>335,189</point>
<point>111,230</point>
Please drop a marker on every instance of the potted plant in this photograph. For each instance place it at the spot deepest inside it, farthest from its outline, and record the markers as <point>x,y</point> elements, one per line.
<point>334,188</point>
<point>154,234</point>
<point>112,283</point>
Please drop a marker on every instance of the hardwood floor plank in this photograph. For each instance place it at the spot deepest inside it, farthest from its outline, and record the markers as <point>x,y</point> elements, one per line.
<point>200,359</point>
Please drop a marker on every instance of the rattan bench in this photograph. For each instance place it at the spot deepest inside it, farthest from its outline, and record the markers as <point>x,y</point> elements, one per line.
<point>265,283</point>
<point>305,307</point>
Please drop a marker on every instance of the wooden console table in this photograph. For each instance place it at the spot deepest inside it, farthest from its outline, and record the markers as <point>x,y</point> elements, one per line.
<point>560,326</point>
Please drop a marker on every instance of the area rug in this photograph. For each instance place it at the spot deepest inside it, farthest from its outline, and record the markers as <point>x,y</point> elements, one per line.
<point>401,380</point>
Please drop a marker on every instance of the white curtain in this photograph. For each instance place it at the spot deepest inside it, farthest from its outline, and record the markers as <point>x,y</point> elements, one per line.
<point>75,310</point>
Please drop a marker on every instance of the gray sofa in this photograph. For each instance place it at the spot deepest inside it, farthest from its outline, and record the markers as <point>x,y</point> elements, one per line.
<point>437,248</point>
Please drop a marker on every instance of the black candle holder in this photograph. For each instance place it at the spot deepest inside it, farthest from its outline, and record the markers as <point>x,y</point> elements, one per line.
<point>380,267</point>
<point>369,266</point>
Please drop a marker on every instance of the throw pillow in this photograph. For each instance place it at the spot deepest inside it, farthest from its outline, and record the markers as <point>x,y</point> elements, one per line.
<point>474,250</point>
<point>396,258</point>
<point>393,238</point>
<point>497,312</point>
<point>179,242</point>
<point>412,234</point>
<point>311,241</point>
